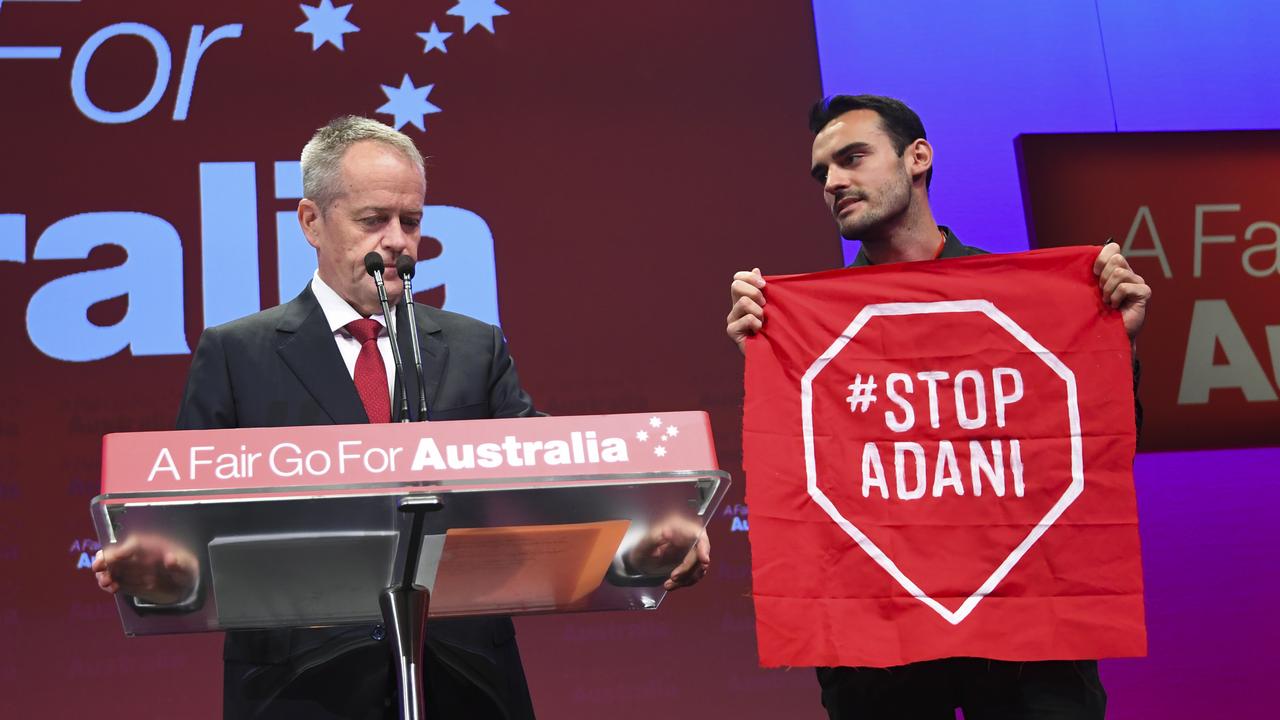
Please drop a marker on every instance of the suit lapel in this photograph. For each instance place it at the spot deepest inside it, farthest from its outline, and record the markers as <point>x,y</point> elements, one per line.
<point>435,353</point>
<point>306,345</point>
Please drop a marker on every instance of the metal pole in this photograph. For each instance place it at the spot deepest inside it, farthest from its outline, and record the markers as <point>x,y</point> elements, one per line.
<point>404,609</point>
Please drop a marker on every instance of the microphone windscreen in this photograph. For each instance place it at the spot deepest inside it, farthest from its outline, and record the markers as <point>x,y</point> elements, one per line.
<point>373,263</point>
<point>405,266</point>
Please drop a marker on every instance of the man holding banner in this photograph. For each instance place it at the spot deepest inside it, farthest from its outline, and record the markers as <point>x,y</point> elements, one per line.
<point>939,454</point>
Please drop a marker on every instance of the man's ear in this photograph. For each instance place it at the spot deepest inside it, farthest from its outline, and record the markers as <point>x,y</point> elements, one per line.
<point>919,158</point>
<point>311,219</point>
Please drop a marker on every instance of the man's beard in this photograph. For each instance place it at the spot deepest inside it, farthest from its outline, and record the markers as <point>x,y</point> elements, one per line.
<point>895,198</point>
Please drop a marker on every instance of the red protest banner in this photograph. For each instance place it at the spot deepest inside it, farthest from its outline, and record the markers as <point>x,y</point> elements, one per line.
<point>939,463</point>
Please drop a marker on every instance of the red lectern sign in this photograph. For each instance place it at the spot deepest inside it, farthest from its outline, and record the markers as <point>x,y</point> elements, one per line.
<point>434,452</point>
<point>938,458</point>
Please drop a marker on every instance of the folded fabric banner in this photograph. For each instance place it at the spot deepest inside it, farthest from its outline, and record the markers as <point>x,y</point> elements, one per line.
<point>939,463</point>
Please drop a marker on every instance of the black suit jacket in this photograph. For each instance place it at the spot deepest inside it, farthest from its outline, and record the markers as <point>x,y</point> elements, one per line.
<point>282,367</point>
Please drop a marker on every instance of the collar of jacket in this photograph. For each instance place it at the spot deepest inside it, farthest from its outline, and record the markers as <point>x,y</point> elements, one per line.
<point>952,248</point>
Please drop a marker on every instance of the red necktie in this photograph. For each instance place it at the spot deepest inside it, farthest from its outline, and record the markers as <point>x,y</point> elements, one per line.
<point>371,373</point>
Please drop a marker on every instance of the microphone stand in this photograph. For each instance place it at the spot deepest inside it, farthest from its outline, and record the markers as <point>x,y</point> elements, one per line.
<point>405,267</point>
<point>374,266</point>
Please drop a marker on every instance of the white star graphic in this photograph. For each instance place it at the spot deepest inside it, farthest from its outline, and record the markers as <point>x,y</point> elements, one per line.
<point>664,437</point>
<point>434,39</point>
<point>642,436</point>
<point>660,451</point>
<point>655,421</point>
<point>408,104</point>
<point>326,24</point>
<point>477,12</point>
<point>672,430</point>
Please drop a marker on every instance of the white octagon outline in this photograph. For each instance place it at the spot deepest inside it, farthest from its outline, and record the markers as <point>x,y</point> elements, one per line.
<point>1073,413</point>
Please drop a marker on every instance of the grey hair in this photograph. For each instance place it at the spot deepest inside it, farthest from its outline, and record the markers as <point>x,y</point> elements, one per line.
<point>322,155</point>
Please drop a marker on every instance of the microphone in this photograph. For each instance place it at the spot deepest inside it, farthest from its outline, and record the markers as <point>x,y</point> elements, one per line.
<point>374,266</point>
<point>405,266</point>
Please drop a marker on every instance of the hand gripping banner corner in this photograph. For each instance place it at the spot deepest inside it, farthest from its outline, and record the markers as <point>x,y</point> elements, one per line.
<point>939,463</point>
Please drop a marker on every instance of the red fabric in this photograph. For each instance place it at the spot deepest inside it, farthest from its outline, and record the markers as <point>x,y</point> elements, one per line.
<point>951,579</point>
<point>371,373</point>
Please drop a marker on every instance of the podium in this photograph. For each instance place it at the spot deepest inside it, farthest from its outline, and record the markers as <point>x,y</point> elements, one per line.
<point>392,523</point>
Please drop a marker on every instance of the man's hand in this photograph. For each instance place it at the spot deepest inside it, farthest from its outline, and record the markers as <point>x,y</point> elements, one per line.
<point>1122,288</point>
<point>148,567</point>
<point>695,566</point>
<point>746,316</point>
<point>664,544</point>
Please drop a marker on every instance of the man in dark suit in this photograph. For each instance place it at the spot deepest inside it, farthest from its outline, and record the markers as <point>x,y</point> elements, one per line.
<point>325,358</point>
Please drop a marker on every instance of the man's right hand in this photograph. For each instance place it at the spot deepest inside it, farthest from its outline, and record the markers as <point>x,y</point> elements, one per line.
<point>148,567</point>
<point>746,316</point>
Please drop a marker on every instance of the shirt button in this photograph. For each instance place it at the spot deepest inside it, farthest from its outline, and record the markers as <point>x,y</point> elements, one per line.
<point>378,633</point>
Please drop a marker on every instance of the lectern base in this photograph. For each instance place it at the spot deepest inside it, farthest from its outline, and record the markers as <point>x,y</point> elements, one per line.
<point>404,610</point>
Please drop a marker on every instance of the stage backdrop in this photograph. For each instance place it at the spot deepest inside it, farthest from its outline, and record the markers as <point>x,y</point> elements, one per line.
<point>596,172</point>
<point>983,73</point>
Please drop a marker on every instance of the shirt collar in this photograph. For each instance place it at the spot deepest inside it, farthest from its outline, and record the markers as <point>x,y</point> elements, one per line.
<point>337,312</point>
<point>950,249</point>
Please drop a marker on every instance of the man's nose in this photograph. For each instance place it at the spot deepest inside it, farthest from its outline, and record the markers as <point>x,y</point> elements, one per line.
<point>837,180</point>
<point>395,238</point>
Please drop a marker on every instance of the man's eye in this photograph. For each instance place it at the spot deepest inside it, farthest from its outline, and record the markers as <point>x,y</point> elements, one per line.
<point>372,221</point>
<point>410,222</point>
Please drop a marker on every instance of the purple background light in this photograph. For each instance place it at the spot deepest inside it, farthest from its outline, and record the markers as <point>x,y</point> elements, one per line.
<point>981,73</point>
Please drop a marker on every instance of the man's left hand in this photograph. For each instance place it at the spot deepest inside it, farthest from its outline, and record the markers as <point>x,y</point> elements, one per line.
<point>1122,288</point>
<point>695,565</point>
<point>664,543</point>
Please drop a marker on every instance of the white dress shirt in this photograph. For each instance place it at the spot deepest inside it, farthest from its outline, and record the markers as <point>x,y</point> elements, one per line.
<point>338,313</point>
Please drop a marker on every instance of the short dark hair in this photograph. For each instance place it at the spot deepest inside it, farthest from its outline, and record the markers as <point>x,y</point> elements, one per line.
<point>900,122</point>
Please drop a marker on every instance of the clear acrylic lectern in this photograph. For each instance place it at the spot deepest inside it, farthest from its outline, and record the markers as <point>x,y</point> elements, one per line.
<point>333,525</point>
